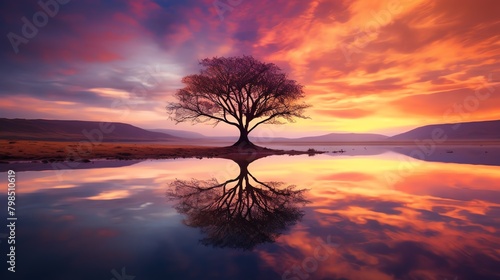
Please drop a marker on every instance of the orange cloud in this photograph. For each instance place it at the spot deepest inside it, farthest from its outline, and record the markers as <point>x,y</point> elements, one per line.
<point>345,113</point>
<point>396,52</point>
<point>366,66</point>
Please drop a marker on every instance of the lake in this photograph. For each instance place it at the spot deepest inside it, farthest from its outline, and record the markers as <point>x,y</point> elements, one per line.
<point>371,214</point>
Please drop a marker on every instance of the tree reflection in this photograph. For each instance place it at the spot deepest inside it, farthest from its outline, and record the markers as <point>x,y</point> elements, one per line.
<point>238,213</point>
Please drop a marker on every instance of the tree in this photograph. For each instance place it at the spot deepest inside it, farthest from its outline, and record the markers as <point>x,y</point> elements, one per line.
<point>239,213</point>
<point>239,91</point>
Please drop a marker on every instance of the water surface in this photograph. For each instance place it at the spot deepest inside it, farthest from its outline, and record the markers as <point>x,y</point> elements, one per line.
<point>333,216</point>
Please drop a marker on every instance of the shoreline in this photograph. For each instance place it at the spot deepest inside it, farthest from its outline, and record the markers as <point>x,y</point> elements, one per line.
<point>38,151</point>
<point>28,151</point>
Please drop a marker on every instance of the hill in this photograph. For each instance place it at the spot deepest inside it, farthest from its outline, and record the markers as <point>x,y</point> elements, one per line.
<point>180,133</point>
<point>331,137</point>
<point>62,130</point>
<point>467,131</point>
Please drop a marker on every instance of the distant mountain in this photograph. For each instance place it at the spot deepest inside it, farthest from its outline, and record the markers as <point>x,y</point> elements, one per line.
<point>331,137</point>
<point>58,130</point>
<point>180,133</point>
<point>467,131</point>
<point>344,137</point>
<point>61,130</point>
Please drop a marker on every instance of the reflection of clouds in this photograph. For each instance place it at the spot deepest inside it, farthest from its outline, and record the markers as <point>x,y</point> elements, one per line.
<point>416,243</point>
<point>110,195</point>
<point>479,183</point>
<point>144,174</point>
<point>438,222</point>
<point>423,227</point>
<point>142,206</point>
<point>88,236</point>
<point>242,212</point>
<point>347,176</point>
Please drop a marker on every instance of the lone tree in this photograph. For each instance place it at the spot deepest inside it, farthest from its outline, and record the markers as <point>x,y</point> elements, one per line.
<point>239,91</point>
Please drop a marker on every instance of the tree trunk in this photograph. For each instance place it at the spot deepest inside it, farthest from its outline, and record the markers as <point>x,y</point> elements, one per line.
<point>243,141</point>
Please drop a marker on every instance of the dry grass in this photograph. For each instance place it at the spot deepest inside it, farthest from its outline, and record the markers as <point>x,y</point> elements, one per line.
<point>48,151</point>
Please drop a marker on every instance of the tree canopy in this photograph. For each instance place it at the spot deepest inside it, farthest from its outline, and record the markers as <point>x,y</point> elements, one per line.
<point>239,91</point>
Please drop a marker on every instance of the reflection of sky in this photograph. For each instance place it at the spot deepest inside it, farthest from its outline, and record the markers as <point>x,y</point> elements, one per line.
<point>436,221</point>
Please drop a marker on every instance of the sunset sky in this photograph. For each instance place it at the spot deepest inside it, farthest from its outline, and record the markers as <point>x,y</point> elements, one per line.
<point>367,66</point>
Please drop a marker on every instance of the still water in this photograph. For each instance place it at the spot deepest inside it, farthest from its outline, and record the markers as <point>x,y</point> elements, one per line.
<point>332,216</point>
